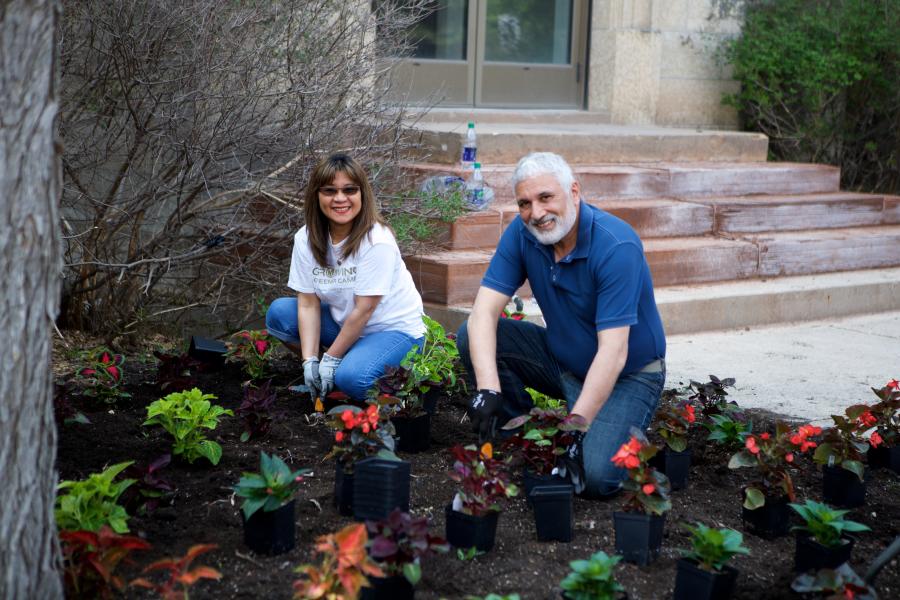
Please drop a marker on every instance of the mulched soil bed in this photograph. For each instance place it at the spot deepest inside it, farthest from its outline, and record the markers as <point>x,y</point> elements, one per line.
<point>204,510</point>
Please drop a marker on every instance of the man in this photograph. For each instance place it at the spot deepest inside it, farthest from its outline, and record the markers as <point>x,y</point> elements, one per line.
<point>603,348</point>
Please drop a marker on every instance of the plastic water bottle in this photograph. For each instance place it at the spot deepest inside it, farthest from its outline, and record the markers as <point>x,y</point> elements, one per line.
<point>475,188</point>
<point>470,148</point>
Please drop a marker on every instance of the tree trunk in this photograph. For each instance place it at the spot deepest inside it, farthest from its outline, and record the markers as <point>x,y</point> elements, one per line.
<point>29,296</point>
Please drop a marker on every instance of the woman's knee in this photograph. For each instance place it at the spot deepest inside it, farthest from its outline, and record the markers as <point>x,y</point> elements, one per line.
<point>281,318</point>
<point>355,384</point>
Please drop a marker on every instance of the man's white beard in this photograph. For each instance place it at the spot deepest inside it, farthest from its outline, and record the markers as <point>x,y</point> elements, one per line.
<point>563,225</point>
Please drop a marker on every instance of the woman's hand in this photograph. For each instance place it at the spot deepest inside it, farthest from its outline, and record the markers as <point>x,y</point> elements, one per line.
<point>311,376</point>
<point>326,371</point>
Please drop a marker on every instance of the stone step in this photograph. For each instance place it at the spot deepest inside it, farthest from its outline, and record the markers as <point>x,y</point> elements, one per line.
<point>579,142</point>
<point>673,180</point>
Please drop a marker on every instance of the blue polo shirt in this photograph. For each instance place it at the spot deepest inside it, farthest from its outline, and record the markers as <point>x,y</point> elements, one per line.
<point>602,284</point>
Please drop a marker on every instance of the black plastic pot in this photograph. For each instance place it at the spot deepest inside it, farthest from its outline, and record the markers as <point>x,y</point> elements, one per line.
<point>884,458</point>
<point>430,401</point>
<point>467,531</point>
<point>530,479</point>
<point>343,490</point>
<point>208,351</point>
<point>270,532</point>
<point>771,520</point>
<point>395,587</point>
<point>811,555</point>
<point>841,487</point>
<point>553,511</point>
<point>379,486</point>
<point>694,583</point>
<point>413,433</point>
<point>674,465</point>
<point>638,536</point>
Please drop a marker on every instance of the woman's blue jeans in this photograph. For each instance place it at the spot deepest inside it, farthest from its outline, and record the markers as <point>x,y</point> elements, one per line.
<point>366,360</point>
<point>524,360</point>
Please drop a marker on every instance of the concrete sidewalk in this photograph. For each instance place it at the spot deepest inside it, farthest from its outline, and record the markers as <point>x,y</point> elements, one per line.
<point>809,370</point>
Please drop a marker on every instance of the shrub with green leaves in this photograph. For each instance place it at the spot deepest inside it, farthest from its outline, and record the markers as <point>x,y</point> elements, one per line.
<point>543,400</point>
<point>91,503</point>
<point>712,548</point>
<point>827,525</point>
<point>592,579</point>
<point>438,360</point>
<point>185,415</point>
<point>727,431</point>
<point>271,488</point>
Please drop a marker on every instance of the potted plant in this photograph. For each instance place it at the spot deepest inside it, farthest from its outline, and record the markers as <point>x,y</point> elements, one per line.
<point>345,567</point>
<point>592,579</point>
<point>765,511</point>
<point>834,584</point>
<point>358,434</point>
<point>185,416</point>
<point>268,507</point>
<point>710,396</point>
<point>402,393</point>
<point>398,544</point>
<point>471,519</point>
<point>639,526</point>
<point>821,543</point>
<point>253,348</point>
<point>703,573</point>
<point>884,443</point>
<point>672,424</point>
<point>728,431</point>
<point>436,366</point>
<point>841,456</point>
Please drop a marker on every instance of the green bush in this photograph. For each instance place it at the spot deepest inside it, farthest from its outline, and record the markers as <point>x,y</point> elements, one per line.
<point>91,503</point>
<point>821,78</point>
<point>185,415</point>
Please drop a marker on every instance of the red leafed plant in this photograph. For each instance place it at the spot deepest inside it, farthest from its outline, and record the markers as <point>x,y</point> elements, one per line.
<point>483,480</point>
<point>100,375</point>
<point>181,576</point>
<point>887,416</point>
<point>258,411</point>
<point>646,490</point>
<point>149,487</point>
<point>176,372</point>
<point>673,421</point>
<point>772,455</point>
<point>254,348</point>
<point>399,542</point>
<point>344,568</point>
<point>358,434</point>
<point>91,558</point>
<point>545,435</point>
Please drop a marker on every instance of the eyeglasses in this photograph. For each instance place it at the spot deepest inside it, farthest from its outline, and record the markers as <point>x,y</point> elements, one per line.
<point>330,190</point>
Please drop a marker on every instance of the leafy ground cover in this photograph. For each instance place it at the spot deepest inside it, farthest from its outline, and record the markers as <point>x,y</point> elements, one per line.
<point>204,510</point>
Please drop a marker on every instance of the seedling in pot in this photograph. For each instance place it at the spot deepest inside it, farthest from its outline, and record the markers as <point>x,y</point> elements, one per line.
<point>672,423</point>
<point>544,436</point>
<point>592,579</point>
<point>483,480</point>
<point>358,434</point>
<point>184,415</point>
<point>344,569</point>
<point>273,487</point>
<point>728,430</point>
<point>712,548</point>
<point>825,524</point>
<point>843,445</point>
<point>437,363</point>
<point>703,573</point>
<point>400,542</point>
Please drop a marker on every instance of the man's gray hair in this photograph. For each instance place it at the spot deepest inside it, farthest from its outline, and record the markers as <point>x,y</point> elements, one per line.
<point>544,163</point>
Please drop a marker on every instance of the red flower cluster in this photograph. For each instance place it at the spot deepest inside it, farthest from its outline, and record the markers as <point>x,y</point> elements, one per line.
<point>866,420</point>
<point>366,421</point>
<point>893,384</point>
<point>627,456</point>
<point>688,414</point>
<point>801,438</point>
<point>875,440</point>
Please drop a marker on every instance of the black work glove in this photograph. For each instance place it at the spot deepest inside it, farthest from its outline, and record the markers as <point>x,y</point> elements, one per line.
<point>570,464</point>
<point>484,407</point>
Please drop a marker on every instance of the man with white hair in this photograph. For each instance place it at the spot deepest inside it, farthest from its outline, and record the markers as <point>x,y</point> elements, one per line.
<point>603,348</point>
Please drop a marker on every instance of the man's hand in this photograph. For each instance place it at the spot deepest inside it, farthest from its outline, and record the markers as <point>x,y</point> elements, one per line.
<point>483,409</point>
<point>311,375</point>
<point>327,368</point>
<point>570,464</point>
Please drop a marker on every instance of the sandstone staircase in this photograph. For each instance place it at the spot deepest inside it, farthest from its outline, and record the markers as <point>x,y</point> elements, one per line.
<point>733,242</point>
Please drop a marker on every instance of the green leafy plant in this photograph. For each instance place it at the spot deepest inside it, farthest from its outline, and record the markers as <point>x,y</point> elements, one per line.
<point>772,455</point>
<point>437,363</point>
<point>483,480</point>
<point>843,445</point>
<point>646,489</point>
<point>544,436</point>
<point>344,567</point>
<point>543,400</point>
<point>712,548</point>
<point>100,375</point>
<point>91,503</point>
<point>672,423</point>
<point>181,575</point>
<point>465,554</point>
<point>90,560</point>
<point>253,348</point>
<point>358,434</point>
<point>271,488</point>
<point>592,579</point>
<point>185,415</point>
<point>827,525</point>
<point>728,431</point>
<point>841,583</point>
<point>399,543</point>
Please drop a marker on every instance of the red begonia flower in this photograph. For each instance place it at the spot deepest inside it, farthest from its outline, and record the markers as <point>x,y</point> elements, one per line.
<point>339,436</point>
<point>648,488</point>
<point>875,440</point>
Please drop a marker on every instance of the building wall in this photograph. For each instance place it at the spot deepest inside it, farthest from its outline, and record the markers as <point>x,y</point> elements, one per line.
<point>653,62</point>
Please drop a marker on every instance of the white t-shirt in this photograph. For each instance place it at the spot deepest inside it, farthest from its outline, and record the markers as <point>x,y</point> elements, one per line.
<point>376,269</point>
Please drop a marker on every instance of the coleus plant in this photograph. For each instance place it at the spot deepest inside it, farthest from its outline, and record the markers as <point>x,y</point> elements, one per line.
<point>254,348</point>
<point>887,416</point>
<point>181,575</point>
<point>399,543</point>
<point>271,488</point>
<point>89,504</point>
<point>358,434</point>
<point>344,569</point>
<point>258,411</point>
<point>483,480</point>
<point>843,444</point>
<point>672,423</point>
<point>185,415</point>
<point>544,436</point>
<point>772,456</point>
<point>149,487</point>
<point>401,388</point>
<point>101,375</point>
<point>646,490</point>
<point>90,560</point>
<point>176,372</point>
<point>711,395</point>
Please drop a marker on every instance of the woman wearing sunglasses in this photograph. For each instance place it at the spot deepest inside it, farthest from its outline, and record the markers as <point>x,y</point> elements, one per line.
<point>354,293</point>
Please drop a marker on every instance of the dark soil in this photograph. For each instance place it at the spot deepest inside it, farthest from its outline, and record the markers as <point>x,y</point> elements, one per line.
<point>204,509</point>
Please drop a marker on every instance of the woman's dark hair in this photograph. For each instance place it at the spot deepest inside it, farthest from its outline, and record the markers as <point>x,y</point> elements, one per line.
<point>317,224</point>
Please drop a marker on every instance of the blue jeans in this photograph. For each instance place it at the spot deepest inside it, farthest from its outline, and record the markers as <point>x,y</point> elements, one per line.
<point>363,363</point>
<point>524,360</point>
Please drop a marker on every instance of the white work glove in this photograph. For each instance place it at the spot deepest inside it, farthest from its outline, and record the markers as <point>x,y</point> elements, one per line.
<point>327,368</point>
<point>311,375</point>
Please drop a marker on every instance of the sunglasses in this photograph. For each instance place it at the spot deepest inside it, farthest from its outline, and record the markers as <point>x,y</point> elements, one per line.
<point>330,190</point>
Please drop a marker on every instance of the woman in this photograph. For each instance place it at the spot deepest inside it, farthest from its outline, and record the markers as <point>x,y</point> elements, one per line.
<point>354,294</point>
